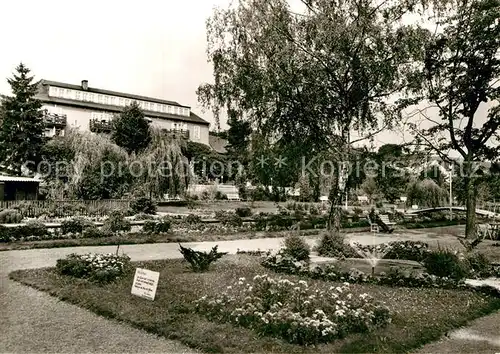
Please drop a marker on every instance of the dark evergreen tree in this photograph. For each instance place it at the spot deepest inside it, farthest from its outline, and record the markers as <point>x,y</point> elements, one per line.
<point>238,137</point>
<point>21,132</point>
<point>131,129</point>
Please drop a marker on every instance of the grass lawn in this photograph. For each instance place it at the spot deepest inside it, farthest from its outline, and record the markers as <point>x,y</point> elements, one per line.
<point>419,315</point>
<point>142,238</point>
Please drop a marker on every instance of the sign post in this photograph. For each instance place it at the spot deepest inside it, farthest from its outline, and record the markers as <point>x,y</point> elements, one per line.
<point>145,283</point>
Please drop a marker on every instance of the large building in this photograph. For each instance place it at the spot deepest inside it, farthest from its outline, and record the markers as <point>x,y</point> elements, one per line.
<point>86,108</point>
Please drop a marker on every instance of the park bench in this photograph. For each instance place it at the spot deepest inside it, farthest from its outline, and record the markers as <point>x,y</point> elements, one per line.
<point>384,219</point>
<point>490,231</point>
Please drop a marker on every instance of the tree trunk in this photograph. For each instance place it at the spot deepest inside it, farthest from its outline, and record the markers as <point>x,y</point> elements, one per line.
<point>470,226</point>
<point>339,188</point>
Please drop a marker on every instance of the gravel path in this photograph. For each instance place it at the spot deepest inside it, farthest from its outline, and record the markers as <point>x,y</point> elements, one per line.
<point>34,322</point>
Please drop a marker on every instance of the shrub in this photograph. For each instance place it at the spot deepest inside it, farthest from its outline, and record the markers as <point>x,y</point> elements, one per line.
<point>10,216</point>
<point>143,205</point>
<point>228,218</point>
<point>479,264</point>
<point>117,223</point>
<point>313,210</point>
<point>244,212</point>
<point>157,227</point>
<point>143,216</point>
<point>333,244</point>
<point>75,225</point>
<point>35,228</point>
<point>296,247</point>
<point>445,263</point>
<point>220,196</point>
<point>4,234</point>
<point>95,232</point>
<point>200,261</point>
<point>357,211</point>
<point>411,250</point>
<point>192,219</point>
<point>101,268</point>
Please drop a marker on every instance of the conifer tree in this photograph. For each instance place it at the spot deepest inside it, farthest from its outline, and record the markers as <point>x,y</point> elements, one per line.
<point>131,129</point>
<point>21,130</point>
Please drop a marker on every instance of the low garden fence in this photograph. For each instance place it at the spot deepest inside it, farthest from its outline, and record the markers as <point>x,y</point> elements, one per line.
<point>65,208</point>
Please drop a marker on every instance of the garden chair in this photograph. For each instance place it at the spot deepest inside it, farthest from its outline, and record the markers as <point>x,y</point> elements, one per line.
<point>373,225</point>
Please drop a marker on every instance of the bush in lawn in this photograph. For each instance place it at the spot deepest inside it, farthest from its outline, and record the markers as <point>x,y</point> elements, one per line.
<point>333,244</point>
<point>143,216</point>
<point>244,212</point>
<point>117,223</point>
<point>479,264</point>
<point>157,227</point>
<point>200,261</point>
<point>314,210</point>
<point>143,205</point>
<point>10,216</point>
<point>220,196</point>
<point>101,268</point>
<point>4,234</point>
<point>295,311</point>
<point>192,219</point>
<point>35,228</point>
<point>95,232</point>
<point>296,247</point>
<point>228,218</point>
<point>75,225</point>
<point>411,250</point>
<point>445,263</point>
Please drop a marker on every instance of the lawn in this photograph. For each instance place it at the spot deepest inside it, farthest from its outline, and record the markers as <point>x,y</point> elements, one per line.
<point>142,238</point>
<point>418,315</point>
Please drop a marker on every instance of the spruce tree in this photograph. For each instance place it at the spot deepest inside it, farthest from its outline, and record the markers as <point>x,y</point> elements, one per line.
<point>22,127</point>
<point>131,129</point>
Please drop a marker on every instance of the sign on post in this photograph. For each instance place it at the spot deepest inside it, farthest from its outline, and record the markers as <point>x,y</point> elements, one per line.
<point>145,283</point>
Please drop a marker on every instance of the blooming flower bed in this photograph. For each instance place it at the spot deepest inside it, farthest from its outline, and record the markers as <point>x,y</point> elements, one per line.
<point>285,264</point>
<point>295,311</point>
<point>93,266</point>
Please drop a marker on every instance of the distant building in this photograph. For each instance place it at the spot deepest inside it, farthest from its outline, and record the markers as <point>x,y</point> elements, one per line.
<point>18,188</point>
<point>87,108</point>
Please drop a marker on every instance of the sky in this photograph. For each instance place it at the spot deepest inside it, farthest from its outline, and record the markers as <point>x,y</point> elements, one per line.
<point>151,48</point>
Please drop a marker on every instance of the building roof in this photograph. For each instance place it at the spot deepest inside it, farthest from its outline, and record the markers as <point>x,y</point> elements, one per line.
<point>218,144</point>
<point>18,179</point>
<point>43,95</point>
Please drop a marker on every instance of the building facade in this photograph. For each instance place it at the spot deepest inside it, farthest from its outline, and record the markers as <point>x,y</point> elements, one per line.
<point>86,108</point>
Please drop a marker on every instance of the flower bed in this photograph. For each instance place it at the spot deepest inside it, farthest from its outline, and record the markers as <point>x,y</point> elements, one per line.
<point>396,277</point>
<point>294,311</point>
<point>93,266</point>
<point>410,250</point>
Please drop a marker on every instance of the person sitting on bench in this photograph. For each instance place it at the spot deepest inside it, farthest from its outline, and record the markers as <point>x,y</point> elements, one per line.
<point>381,223</point>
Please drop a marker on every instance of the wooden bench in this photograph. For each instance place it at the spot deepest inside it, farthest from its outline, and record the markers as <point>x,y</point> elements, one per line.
<point>384,218</point>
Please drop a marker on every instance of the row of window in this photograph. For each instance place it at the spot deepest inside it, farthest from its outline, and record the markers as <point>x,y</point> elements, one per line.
<point>115,101</point>
<point>104,116</point>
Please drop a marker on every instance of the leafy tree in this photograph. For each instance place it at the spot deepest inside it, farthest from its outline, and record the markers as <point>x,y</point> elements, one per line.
<point>238,136</point>
<point>164,168</point>
<point>371,188</point>
<point>205,162</point>
<point>21,131</point>
<point>426,193</point>
<point>460,80</point>
<point>131,129</point>
<point>309,79</point>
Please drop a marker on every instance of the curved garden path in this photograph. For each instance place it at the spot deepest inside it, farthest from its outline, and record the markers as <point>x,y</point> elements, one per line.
<point>32,321</point>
